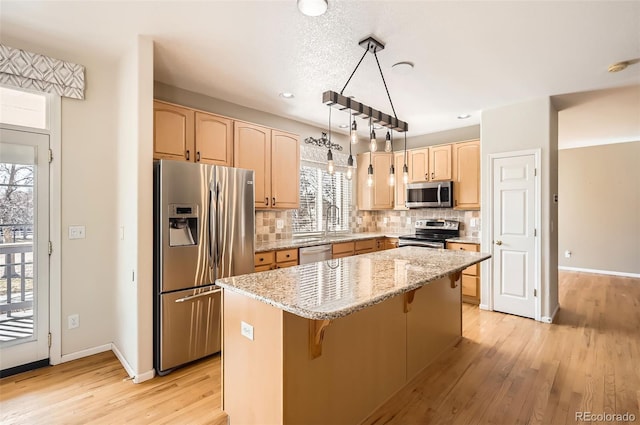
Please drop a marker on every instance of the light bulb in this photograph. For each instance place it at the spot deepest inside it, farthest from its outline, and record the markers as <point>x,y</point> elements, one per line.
<point>387,143</point>
<point>349,167</point>
<point>354,133</point>
<point>349,174</point>
<point>373,146</point>
<point>405,174</point>
<point>392,179</point>
<point>330,168</point>
<point>370,180</point>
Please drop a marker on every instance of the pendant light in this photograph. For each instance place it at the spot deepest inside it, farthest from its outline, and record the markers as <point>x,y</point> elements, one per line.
<point>373,145</point>
<point>354,127</point>
<point>370,173</point>
<point>387,142</point>
<point>354,132</point>
<point>392,169</point>
<point>349,174</point>
<point>405,169</point>
<point>330,167</point>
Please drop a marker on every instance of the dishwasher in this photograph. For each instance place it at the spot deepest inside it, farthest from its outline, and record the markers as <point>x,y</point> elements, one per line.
<point>313,254</point>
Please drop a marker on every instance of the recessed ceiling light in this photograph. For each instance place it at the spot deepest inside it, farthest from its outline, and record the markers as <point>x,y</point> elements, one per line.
<point>619,66</point>
<point>464,116</point>
<point>312,7</point>
<point>402,68</point>
<point>344,126</point>
<point>286,95</point>
<point>377,126</point>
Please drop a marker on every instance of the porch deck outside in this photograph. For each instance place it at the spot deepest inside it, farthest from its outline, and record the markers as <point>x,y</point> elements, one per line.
<point>16,288</point>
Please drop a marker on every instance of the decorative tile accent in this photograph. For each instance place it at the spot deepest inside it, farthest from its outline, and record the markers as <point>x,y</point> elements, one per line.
<point>28,70</point>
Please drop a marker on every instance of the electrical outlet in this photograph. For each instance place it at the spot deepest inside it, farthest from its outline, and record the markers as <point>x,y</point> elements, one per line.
<point>359,220</point>
<point>474,222</point>
<point>280,223</point>
<point>246,330</point>
<point>408,220</point>
<point>385,220</point>
<point>73,321</point>
<point>76,232</point>
<point>567,254</point>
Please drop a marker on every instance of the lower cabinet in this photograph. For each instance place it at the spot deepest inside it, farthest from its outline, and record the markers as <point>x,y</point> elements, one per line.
<point>343,249</point>
<point>470,275</point>
<point>390,243</point>
<point>271,260</point>
<point>366,246</point>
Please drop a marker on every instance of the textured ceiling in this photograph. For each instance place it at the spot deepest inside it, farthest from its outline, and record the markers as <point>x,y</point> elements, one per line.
<point>468,56</point>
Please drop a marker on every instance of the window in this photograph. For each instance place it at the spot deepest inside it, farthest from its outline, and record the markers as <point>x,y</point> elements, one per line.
<point>18,107</point>
<point>319,190</point>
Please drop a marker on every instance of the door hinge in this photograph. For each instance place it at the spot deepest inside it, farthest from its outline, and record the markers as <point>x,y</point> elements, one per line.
<point>535,292</point>
<point>49,339</point>
<point>50,248</point>
<point>535,232</point>
<point>535,171</point>
<point>50,156</point>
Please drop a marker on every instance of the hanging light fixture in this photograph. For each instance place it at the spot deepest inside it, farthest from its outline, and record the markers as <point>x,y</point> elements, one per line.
<point>392,169</point>
<point>387,142</point>
<point>349,174</point>
<point>370,172</point>
<point>338,100</point>
<point>405,169</point>
<point>330,167</point>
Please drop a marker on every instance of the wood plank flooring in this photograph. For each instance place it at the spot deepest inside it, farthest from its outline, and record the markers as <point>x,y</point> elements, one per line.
<point>506,370</point>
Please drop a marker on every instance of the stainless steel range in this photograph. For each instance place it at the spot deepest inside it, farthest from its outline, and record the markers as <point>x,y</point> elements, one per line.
<point>431,233</point>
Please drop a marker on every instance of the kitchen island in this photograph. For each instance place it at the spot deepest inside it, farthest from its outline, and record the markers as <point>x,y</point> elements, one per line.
<point>329,342</point>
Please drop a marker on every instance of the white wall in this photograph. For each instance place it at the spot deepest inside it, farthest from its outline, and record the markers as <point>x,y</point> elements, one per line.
<point>526,125</point>
<point>89,164</point>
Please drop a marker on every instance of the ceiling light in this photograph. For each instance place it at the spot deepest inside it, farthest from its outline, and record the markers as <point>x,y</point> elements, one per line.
<point>617,67</point>
<point>402,68</point>
<point>312,7</point>
<point>344,126</point>
<point>464,116</point>
<point>286,95</point>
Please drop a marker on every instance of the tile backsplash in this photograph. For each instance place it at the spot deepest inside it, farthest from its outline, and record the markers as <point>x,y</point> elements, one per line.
<point>369,221</point>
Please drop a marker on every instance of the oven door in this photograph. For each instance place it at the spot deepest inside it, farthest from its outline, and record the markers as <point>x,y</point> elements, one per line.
<point>418,242</point>
<point>429,195</point>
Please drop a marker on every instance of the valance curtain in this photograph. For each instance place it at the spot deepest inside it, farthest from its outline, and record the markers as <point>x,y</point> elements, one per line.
<point>313,156</point>
<point>19,68</point>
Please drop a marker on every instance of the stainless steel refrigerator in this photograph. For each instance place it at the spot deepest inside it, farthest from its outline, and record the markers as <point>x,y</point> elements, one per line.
<point>204,224</point>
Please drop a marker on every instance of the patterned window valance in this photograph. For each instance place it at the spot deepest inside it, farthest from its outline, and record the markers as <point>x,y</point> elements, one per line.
<point>313,156</point>
<point>28,70</point>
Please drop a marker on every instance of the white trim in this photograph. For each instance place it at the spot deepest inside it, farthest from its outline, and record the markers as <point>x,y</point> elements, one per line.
<point>595,271</point>
<point>137,379</point>
<point>547,319</point>
<point>537,153</point>
<point>484,307</point>
<point>596,142</point>
<point>85,353</point>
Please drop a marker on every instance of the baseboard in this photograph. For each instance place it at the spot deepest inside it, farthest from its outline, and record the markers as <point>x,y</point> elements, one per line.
<point>594,271</point>
<point>84,353</point>
<point>136,378</point>
<point>484,307</point>
<point>549,319</point>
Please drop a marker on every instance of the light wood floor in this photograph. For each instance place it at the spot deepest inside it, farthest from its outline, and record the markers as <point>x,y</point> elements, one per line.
<point>506,370</point>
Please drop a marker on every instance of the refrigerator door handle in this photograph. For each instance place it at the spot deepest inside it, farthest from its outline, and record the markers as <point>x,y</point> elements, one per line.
<point>219,225</point>
<point>213,211</point>
<point>203,294</point>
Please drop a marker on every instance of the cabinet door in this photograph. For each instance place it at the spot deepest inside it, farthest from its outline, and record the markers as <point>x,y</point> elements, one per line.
<point>252,151</point>
<point>418,165</point>
<point>285,170</point>
<point>440,163</point>
<point>471,270</point>
<point>214,139</point>
<point>400,190</point>
<point>382,192</point>
<point>466,175</point>
<point>172,132</point>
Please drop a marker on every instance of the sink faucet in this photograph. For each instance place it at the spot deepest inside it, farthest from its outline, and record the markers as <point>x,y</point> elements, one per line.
<point>336,216</point>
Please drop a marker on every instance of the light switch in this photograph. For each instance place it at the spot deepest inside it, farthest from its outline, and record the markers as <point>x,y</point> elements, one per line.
<point>76,232</point>
<point>280,223</point>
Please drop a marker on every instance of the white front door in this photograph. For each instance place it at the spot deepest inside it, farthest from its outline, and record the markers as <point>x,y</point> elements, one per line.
<point>514,239</point>
<point>24,246</point>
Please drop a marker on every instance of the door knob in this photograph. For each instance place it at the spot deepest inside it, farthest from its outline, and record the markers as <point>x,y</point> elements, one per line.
<point>498,242</point>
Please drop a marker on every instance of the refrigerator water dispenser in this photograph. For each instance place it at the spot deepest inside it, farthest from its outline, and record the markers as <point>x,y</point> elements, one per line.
<point>183,225</point>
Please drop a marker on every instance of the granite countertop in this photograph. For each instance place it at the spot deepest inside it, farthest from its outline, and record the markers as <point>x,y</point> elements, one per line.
<point>465,239</point>
<point>320,240</point>
<point>336,288</point>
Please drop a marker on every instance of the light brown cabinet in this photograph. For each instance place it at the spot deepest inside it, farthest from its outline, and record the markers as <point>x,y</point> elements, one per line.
<point>274,156</point>
<point>271,260</point>
<point>391,243</point>
<point>399,202</point>
<point>343,249</point>
<point>470,275</point>
<point>380,195</point>
<point>365,246</point>
<point>430,164</point>
<point>184,134</point>
<point>466,175</point>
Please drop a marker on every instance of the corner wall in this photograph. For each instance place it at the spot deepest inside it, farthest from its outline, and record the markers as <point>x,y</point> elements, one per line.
<point>524,126</point>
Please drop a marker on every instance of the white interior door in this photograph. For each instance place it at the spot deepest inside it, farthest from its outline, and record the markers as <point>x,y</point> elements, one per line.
<point>514,238</point>
<point>24,246</point>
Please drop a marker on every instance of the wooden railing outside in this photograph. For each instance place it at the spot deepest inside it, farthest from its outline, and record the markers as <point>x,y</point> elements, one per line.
<point>17,266</point>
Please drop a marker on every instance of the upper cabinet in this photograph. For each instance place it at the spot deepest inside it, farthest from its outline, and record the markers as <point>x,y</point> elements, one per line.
<point>380,195</point>
<point>173,132</point>
<point>400,189</point>
<point>214,139</point>
<point>440,163</point>
<point>430,164</point>
<point>274,156</point>
<point>466,175</point>
<point>181,133</point>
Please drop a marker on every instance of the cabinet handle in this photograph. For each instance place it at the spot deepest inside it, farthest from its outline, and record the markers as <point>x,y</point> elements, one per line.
<point>432,175</point>
<point>266,201</point>
<point>198,156</point>
<point>261,259</point>
<point>288,255</point>
<point>273,202</point>
<point>426,176</point>
<point>187,155</point>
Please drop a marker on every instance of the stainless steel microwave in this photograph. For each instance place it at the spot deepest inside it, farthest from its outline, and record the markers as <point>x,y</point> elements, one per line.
<point>430,195</point>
